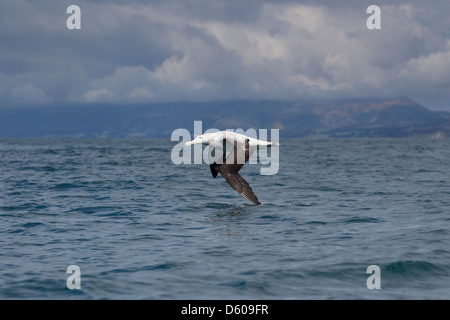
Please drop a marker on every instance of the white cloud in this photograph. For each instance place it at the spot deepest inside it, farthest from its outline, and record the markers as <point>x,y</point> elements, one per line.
<point>427,71</point>
<point>141,94</point>
<point>202,50</point>
<point>29,94</point>
<point>99,95</point>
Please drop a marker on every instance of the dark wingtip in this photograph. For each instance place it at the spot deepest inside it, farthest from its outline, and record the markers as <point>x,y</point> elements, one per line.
<point>214,167</point>
<point>254,200</point>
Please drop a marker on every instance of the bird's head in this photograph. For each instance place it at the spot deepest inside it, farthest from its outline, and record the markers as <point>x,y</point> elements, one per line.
<point>199,139</point>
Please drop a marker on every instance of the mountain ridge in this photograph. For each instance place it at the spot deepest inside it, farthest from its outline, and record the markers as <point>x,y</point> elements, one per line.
<point>399,117</point>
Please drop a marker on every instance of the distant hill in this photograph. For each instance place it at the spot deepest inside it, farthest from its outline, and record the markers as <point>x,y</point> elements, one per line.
<point>400,117</point>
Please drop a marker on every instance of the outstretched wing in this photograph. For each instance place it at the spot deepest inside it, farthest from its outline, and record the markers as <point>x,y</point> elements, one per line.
<point>230,167</point>
<point>241,186</point>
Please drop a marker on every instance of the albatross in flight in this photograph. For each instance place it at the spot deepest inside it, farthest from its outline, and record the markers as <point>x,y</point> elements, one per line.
<point>242,148</point>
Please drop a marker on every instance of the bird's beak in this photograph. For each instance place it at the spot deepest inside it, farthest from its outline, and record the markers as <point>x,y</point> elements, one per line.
<point>189,143</point>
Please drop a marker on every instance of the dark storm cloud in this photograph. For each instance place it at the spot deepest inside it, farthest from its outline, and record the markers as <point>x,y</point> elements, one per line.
<point>144,51</point>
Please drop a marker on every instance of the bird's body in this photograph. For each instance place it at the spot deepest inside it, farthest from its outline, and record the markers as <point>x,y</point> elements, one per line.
<point>242,148</point>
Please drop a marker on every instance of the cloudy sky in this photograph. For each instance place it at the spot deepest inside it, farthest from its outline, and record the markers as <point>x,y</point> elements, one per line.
<point>202,50</point>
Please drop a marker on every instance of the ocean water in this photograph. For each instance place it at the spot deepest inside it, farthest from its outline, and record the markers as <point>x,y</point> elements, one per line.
<point>140,227</point>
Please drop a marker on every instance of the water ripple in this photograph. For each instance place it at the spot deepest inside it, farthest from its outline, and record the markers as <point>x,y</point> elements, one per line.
<point>141,227</point>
